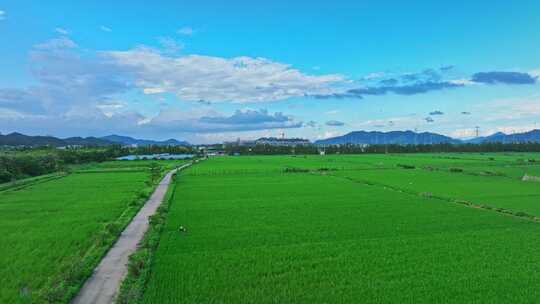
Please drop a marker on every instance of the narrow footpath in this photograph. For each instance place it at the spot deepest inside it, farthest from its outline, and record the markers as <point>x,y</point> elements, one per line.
<point>103,285</point>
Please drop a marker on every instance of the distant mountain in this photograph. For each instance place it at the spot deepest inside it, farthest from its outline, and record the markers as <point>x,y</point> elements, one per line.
<point>87,141</point>
<point>393,137</point>
<point>530,136</point>
<point>126,140</point>
<point>18,139</point>
<point>491,138</point>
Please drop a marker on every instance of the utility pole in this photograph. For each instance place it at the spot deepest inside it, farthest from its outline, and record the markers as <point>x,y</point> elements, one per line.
<point>477,128</point>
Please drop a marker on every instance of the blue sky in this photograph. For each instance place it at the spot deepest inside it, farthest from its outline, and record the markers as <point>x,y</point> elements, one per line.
<point>210,71</point>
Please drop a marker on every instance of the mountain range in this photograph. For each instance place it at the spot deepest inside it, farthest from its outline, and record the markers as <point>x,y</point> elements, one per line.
<point>18,139</point>
<point>392,137</point>
<point>356,137</point>
<point>410,137</point>
<point>126,140</point>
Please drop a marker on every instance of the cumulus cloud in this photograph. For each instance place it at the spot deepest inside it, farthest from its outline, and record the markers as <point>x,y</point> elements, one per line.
<point>212,122</point>
<point>21,101</point>
<point>77,92</point>
<point>248,116</point>
<point>64,79</point>
<point>170,45</point>
<point>186,30</point>
<point>429,119</point>
<point>503,78</point>
<point>437,112</point>
<point>427,81</point>
<point>335,123</point>
<point>402,84</point>
<point>56,44</point>
<point>408,89</point>
<point>375,75</point>
<point>217,79</point>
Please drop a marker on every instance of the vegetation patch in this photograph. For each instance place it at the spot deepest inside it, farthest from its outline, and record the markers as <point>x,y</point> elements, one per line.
<point>139,267</point>
<point>296,170</point>
<point>56,230</point>
<point>250,231</point>
<point>404,166</point>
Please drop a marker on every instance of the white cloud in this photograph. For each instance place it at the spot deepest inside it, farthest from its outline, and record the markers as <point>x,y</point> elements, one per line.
<point>153,90</point>
<point>56,44</point>
<point>170,46</point>
<point>210,121</point>
<point>508,109</point>
<point>218,79</point>
<point>375,75</point>
<point>61,31</point>
<point>105,28</point>
<point>186,30</point>
<point>328,134</point>
<point>2,15</point>
<point>463,133</point>
<point>463,81</point>
<point>535,73</point>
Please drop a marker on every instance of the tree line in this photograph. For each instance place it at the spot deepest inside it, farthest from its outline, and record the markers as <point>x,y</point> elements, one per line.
<point>389,148</point>
<point>21,163</point>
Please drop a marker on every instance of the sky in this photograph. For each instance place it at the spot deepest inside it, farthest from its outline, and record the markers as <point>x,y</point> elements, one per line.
<point>213,71</point>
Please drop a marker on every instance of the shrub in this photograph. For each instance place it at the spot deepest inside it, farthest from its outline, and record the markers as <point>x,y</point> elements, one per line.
<point>456,170</point>
<point>296,170</point>
<point>406,166</point>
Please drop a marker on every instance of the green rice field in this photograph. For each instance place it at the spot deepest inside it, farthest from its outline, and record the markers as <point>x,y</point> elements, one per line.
<point>56,229</point>
<point>405,228</point>
<point>379,228</point>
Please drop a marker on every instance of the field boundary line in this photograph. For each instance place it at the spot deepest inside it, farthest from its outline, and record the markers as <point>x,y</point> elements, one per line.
<point>103,285</point>
<point>504,211</point>
<point>18,185</point>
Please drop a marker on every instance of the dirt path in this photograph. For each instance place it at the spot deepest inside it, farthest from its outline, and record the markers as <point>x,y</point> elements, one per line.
<point>103,285</point>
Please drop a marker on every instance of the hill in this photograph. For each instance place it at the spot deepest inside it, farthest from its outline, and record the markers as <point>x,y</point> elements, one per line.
<point>393,137</point>
<point>126,140</point>
<point>18,139</point>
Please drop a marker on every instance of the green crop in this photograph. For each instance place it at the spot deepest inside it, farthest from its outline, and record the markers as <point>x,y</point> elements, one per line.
<point>364,231</point>
<point>55,230</point>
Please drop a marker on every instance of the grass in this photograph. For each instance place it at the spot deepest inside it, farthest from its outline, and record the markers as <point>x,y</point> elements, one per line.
<point>55,231</point>
<point>365,231</point>
<point>133,285</point>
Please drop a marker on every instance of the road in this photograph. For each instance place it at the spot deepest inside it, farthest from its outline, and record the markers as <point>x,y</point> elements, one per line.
<point>103,285</point>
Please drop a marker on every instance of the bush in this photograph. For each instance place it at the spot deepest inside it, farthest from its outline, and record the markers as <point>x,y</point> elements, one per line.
<point>406,166</point>
<point>456,170</point>
<point>296,170</point>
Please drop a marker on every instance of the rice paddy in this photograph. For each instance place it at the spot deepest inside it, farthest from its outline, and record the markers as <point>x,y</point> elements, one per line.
<point>415,228</point>
<point>351,229</point>
<point>55,230</point>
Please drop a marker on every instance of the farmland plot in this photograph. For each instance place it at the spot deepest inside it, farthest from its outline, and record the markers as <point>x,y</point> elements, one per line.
<point>55,232</point>
<point>256,234</point>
